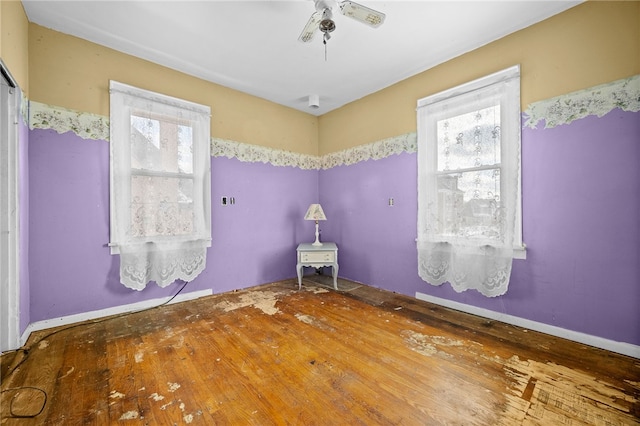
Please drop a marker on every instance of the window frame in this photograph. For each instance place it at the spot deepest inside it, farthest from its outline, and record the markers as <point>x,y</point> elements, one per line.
<point>503,86</point>
<point>122,108</point>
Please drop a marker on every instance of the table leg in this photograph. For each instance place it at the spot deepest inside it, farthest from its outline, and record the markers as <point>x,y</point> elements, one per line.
<point>335,276</point>
<point>299,271</point>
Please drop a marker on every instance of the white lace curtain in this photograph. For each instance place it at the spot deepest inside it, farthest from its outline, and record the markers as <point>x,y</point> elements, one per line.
<point>160,186</point>
<point>469,184</point>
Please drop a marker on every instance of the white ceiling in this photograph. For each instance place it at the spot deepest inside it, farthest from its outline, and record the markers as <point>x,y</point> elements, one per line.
<point>253,47</point>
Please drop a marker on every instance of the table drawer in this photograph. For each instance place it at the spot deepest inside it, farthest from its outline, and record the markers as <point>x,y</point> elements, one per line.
<point>318,256</point>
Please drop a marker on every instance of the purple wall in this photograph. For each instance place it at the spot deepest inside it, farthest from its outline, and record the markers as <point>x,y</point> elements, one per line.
<point>581,201</point>
<point>581,211</point>
<point>376,242</point>
<point>71,270</point>
<point>254,240</point>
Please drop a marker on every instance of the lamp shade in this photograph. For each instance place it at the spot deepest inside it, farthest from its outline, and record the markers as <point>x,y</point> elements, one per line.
<point>315,212</point>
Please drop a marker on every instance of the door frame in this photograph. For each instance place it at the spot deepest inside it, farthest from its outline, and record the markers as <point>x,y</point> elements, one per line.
<point>9,212</point>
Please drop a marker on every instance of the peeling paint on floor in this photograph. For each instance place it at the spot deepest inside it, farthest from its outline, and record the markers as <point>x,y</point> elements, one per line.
<point>562,395</point>
<point>311,320</point>
<point>67,373</point>
<point>173,386</point>
<point>316,290</point>
<point>171,332</point>
<point>543,393</point>
<point>129,415</point>
<point>116,394</point>
<point>180,342</point>
<point>307,319</point>
<point>156,397</point>
<point>428,345</point>
<point>263,300</point>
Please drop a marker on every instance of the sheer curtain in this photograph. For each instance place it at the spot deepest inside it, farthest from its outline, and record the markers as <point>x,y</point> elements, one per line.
<point>469,184</point>
<point>160,186</point>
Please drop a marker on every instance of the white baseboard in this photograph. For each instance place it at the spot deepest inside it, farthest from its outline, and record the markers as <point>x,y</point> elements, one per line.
<point>587,339</point>
<point>85,316</point>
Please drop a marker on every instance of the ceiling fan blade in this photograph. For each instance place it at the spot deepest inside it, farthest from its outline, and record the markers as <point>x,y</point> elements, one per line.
<point>310,29</point>
<point>361,13</point>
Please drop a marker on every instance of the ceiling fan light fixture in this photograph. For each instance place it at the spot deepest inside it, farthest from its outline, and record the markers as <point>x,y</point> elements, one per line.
<point>361,13</point>
<point>327,26</point>
<point>322,18</point>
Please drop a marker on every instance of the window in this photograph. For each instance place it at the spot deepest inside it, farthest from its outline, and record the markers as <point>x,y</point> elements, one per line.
<point>469,207</point>
<point>160,186</point>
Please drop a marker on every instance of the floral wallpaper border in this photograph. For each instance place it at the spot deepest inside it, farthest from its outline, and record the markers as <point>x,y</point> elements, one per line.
<point>62,120</point>
<point>372,151</point>
<point>259,154</point>
<point>96,127</point>
<point>598,100</point>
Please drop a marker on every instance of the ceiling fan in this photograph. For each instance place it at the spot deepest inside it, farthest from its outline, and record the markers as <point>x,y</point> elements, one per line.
<point>322,18</point>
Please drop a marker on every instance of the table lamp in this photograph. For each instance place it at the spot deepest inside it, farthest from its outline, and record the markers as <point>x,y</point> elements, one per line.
<point>315,213</point>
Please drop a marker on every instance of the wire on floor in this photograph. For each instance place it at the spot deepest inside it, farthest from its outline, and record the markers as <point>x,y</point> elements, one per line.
<point>26,349</point>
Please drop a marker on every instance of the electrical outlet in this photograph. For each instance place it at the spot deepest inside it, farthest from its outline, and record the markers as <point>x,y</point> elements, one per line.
<point>227,201</point>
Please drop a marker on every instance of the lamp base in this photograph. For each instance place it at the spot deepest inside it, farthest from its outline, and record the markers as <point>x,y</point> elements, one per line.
<point>317,241</point>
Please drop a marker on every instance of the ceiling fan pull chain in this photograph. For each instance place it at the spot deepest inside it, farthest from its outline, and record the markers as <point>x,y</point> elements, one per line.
<point>324,41</point>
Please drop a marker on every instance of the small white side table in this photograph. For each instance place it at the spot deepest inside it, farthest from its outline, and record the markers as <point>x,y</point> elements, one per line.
<point>317,257</point>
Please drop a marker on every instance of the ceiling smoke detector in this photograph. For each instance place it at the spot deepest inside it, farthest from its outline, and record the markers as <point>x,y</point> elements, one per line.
<point>314,101</point>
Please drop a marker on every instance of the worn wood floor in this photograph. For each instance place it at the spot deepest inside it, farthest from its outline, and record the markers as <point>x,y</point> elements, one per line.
<point>276,355</point>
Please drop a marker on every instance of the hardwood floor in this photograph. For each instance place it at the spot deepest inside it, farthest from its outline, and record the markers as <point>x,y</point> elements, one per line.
<point>276,355</point>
